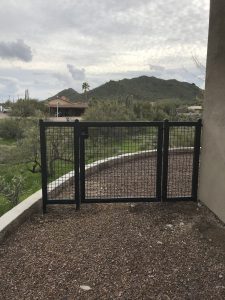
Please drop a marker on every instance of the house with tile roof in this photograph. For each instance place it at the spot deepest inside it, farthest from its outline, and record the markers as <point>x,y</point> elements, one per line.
<point>63,107</point>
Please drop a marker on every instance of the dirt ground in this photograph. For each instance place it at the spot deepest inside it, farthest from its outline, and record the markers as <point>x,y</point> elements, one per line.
<point>116,251</point>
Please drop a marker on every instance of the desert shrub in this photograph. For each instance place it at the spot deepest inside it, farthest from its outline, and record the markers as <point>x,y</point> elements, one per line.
<point>109,111</point>
<point>149,111</point>
<point>12,189</point>
<point>11,129</point>
<point>28,108</point>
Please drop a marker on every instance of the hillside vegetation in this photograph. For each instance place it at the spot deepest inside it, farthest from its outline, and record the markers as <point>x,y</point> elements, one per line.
<point>140,88</point>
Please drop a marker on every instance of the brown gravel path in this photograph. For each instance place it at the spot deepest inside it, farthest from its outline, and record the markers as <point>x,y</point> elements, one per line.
<point>146,251</point>
<point>136,178</point>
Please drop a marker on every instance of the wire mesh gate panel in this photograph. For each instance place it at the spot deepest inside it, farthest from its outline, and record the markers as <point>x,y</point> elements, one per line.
<point>181,152</point>
<point>119,161</point>
<point>60,162</point>
<point>124,161</point>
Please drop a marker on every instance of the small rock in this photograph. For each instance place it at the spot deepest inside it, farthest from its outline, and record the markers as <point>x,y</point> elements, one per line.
<point>220,276</point>
<point>220,287</point>
<point>163,297</point>
<point>85,287</point>
<point>159,242</point>
<point>181,223</point>
<point>169,225</point>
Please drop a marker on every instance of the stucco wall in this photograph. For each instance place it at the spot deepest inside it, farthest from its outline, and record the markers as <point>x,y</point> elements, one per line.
<point>212,170</point>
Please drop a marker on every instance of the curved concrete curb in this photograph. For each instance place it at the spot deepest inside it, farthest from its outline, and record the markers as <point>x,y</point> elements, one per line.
<point>33,204</point>
<point>105,163</point>
<point>18,214</point>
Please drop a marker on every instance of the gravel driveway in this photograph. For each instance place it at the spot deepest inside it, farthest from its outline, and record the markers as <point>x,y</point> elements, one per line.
<point>116,251</point>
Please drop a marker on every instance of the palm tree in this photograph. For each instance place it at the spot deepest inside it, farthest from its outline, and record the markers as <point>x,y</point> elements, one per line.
<point>85,88</point>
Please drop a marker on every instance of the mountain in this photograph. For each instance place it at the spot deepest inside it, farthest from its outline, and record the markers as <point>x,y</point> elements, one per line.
<point>141,88</point>
<point>70,93</point>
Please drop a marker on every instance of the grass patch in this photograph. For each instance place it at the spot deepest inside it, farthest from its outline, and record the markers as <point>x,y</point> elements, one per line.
<point>7,142</point>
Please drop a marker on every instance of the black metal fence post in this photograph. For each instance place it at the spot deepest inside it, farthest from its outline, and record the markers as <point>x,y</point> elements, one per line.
<point>83,135</point>
<point>77,163</point>
<point>159,163</point>
<point>165,159</point>
<point>44,169</point>
<point>196,156</point>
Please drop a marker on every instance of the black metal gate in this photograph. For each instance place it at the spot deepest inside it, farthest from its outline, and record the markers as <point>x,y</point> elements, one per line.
<point>102,162</point>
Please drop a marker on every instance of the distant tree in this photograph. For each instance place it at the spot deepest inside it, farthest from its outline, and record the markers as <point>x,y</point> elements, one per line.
<point>28,149</point>
<point>85,88</point>
<point>145,110</point>
<point>7,104</point>
<point>28,108</point>
<point>109,111</point>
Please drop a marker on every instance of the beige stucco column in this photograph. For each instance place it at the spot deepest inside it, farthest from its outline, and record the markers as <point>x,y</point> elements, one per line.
<point>212,169</point>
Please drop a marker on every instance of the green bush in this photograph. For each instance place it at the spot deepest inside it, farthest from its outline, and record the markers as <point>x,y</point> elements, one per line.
<point>11,129</point>
<point>12,190</point>
<point>28,108</point>
<point>109,111</point>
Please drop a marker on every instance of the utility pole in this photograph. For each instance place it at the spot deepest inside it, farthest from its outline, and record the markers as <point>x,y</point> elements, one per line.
<point>57,112</point>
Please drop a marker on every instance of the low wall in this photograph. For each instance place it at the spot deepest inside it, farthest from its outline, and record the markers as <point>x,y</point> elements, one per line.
<point>18,214</point>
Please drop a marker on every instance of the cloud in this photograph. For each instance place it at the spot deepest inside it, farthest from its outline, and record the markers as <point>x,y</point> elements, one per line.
<point>77,74</point>
<point>156,68</point>
<point>106,39</point>
<point>15,50</point>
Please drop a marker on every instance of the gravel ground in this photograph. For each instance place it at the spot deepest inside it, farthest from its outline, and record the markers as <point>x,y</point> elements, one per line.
<point>136,178</point>
<point>116,251</point>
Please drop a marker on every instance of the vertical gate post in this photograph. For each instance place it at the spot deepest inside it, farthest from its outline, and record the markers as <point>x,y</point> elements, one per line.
<point>77,163</point>
<point>83,135</point>
<point>159,163</point>
<point>165,159</point>
<point>43,165</point>
<point>197,145</point>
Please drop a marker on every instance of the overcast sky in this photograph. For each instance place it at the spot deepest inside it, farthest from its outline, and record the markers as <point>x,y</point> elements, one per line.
<point>49,45</point>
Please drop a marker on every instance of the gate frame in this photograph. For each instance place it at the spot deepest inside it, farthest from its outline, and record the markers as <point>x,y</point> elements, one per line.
<point>81,132</point>
<point>84,132</point>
